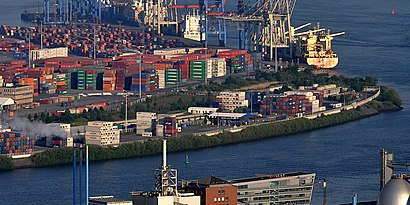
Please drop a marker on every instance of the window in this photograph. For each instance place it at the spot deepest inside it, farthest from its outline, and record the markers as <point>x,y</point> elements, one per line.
<point>226,198</point>
<point>215,199</point>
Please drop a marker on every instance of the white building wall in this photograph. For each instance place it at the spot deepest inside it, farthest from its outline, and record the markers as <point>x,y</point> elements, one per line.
<point>102,133</point>
<point>202,110</point>
<point>232,100</point>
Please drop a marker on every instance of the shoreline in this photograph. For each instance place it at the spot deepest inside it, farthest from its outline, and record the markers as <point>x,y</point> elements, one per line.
<point>151,147</point>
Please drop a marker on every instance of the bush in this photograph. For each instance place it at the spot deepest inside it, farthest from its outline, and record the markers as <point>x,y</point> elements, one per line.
<point>6,163</point>
<point>390,95</point>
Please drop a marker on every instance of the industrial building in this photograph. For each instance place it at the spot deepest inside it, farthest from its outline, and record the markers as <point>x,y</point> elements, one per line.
<point>63,137</point>
<point>102,133</point>
<point>229,101</point>
<point>145,122</point>
<point>166,192</point>
<point>22,95</point>
<point>231,119</point>
<point>290,188</point>
<point>6,103</point>
<point>202,110</point>
<point>48,53</point>
<point>213,191</point>
<point>328,90</point>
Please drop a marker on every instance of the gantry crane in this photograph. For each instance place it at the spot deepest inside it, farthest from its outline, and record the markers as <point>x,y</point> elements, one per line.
<point>264,25</point>
<point>65,9</point>
<point>159,13</point>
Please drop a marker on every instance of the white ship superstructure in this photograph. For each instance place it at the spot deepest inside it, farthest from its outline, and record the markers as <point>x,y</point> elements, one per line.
<point>192,27</point>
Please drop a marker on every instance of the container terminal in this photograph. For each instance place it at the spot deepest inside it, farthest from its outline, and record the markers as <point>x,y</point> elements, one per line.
<point>263,27</point>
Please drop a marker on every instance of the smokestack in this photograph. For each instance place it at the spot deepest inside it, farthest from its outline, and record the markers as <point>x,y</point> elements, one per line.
<point>164,154</point>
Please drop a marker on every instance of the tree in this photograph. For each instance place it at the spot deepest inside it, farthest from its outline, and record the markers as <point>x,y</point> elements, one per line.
<point>43,117</point>
<point>29,117</point>
<point>35,117</point>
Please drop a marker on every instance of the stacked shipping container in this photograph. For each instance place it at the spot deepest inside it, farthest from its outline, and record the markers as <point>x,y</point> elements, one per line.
<point>91,79</point>
<point>292,105</point>
<point>120,79</point>
<point>148,80</point>
<point>200,69</point>
<point>170,127</point>
<point>81,78</point>
<point>60,83</point>
<point>109,80</point>
<point>14,143</point>
<point>172,76</point>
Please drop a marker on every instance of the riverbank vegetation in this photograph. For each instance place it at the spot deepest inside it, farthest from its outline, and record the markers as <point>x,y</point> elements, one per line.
<point>6,163</point>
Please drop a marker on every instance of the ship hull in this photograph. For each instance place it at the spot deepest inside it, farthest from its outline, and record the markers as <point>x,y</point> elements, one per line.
<point>326,63</point>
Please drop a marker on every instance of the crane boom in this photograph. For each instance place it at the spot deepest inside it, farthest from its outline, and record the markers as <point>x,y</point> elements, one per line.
<point>337,34</point>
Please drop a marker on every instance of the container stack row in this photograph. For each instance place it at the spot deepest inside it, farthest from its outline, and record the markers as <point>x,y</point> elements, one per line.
<point>147,81</point>
<point>120,79</point>
<point>170,127</point>
<point>109,79</point>
<point>14,143</point>
<point>291,105</point>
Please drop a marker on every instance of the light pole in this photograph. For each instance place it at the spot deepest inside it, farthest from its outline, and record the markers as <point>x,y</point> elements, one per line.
<point>41,34</point>
<point>126,111</point>
<point>140,86</point>
<point>94,46</point>
<point>29,50</point>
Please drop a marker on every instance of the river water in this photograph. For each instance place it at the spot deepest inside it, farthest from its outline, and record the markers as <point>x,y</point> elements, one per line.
<point>377,43</point>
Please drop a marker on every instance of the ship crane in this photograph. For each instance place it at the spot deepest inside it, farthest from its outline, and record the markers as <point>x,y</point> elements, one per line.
<point>337,34</point>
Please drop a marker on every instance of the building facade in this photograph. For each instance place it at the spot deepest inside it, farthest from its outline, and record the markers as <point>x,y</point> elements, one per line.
<point>229,101</point>
<point>213,191</point>
<point>63,135</point>
<point>22,95</point>
<point>281,189</point>
<point>145,122</point>
<point>48,53</point>
<point>202,110</point>
<point>102,133</point>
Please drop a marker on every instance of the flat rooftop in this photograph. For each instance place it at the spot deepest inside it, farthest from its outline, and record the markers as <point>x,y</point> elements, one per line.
<point>105,199</point>
<point>269,176</point>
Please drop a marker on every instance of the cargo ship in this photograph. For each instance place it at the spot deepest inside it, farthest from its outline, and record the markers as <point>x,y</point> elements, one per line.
<point>316,47</point>
<point>192,27</point>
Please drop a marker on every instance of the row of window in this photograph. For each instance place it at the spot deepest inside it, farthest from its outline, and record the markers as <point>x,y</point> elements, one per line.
<point>219,199</point>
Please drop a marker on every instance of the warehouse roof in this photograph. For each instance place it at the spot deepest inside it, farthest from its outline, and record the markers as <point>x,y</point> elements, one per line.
<point>211,180</point>
<point>107,199</point>
<point>6,101</point>
<point>269,176</point>
<point>231,115</point>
